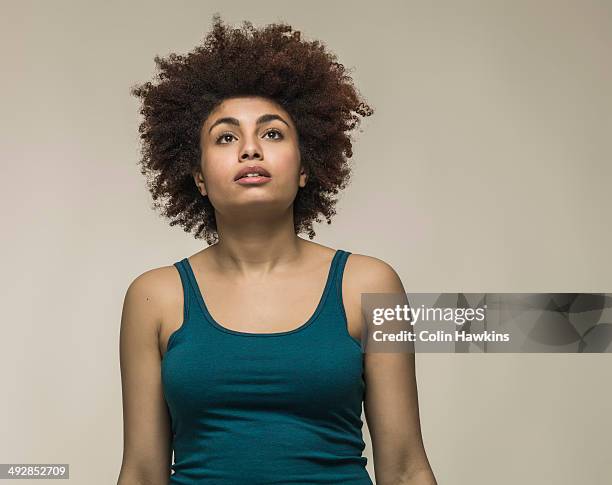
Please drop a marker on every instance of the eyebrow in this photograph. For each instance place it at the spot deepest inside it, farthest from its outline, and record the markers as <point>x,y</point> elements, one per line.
<point>262,119</point>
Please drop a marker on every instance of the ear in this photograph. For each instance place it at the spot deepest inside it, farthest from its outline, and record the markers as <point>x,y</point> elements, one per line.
<point>199,181</point>
<point>303,176</point>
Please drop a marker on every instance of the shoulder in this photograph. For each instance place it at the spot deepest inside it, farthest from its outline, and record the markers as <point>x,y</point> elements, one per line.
<point>151,293</point>
<point>369,274</point>
<point>153,283</point>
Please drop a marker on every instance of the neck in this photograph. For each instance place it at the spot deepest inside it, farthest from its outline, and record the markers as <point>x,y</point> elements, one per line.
<point>257,244</point>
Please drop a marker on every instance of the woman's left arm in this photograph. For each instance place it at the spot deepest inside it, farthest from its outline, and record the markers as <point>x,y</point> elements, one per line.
<point>391,400</point>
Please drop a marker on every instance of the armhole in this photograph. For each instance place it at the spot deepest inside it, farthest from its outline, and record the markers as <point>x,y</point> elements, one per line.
<point>342,262</point>
<point>186,304</point>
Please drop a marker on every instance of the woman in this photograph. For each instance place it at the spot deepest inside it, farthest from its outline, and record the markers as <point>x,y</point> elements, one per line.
<point>245,358</point>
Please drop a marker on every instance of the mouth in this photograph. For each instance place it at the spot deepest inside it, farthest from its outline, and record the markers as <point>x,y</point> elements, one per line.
<point>252,180</point>
<point>253,174</point>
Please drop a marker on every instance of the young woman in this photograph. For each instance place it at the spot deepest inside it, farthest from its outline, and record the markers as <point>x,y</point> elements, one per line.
<point>244,359</point>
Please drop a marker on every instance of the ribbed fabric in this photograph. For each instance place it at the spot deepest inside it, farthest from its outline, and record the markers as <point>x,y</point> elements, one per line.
<point>266,408</point>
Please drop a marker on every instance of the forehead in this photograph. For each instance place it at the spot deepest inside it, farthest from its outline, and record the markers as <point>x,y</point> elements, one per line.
<point>246,109</point>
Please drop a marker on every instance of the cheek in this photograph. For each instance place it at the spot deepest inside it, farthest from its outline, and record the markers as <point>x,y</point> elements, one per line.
<point>287,158</point>
<point>217,164</point>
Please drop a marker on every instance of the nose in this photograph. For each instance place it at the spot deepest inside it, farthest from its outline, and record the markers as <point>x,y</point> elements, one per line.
<point>250,155</point>
<point>250,150</point>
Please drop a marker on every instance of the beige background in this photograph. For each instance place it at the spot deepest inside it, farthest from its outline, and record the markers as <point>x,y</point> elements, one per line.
<point>486,167</point>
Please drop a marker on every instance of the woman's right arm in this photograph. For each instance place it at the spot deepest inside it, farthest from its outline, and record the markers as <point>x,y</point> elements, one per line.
<point>147,450</point>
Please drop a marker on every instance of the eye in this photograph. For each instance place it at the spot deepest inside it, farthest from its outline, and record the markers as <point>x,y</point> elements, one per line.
<point>280,135</point>
<point>223,137</point>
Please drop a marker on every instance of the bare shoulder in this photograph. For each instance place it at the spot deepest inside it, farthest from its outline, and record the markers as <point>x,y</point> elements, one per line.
<point>365,274</point>
<point>369,274</point>
<point>150,295</point>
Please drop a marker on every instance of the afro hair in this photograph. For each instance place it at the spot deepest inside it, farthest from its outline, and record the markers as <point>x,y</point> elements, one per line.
<point>273,62</point>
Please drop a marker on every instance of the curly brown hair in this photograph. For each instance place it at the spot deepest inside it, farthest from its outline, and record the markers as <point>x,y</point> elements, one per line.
<point>273,62</point>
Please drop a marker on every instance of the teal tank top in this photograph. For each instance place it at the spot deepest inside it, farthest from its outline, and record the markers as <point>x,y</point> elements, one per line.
<point>265,408</point>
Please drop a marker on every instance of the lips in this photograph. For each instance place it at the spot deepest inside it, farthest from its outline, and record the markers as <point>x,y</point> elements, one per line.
<point>252,169</point>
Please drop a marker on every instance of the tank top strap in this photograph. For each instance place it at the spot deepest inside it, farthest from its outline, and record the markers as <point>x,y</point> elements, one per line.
<point>335,297</point>
<point>188,296</point>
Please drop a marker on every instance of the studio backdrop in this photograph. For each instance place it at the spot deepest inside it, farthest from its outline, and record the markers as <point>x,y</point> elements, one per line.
<point>486,167</point>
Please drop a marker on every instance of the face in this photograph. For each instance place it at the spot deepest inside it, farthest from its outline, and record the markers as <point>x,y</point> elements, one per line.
<point>240,134</point>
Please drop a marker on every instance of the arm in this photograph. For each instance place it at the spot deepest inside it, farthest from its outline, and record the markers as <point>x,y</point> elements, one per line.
<point>391,402</point>
<point>147,451</point>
